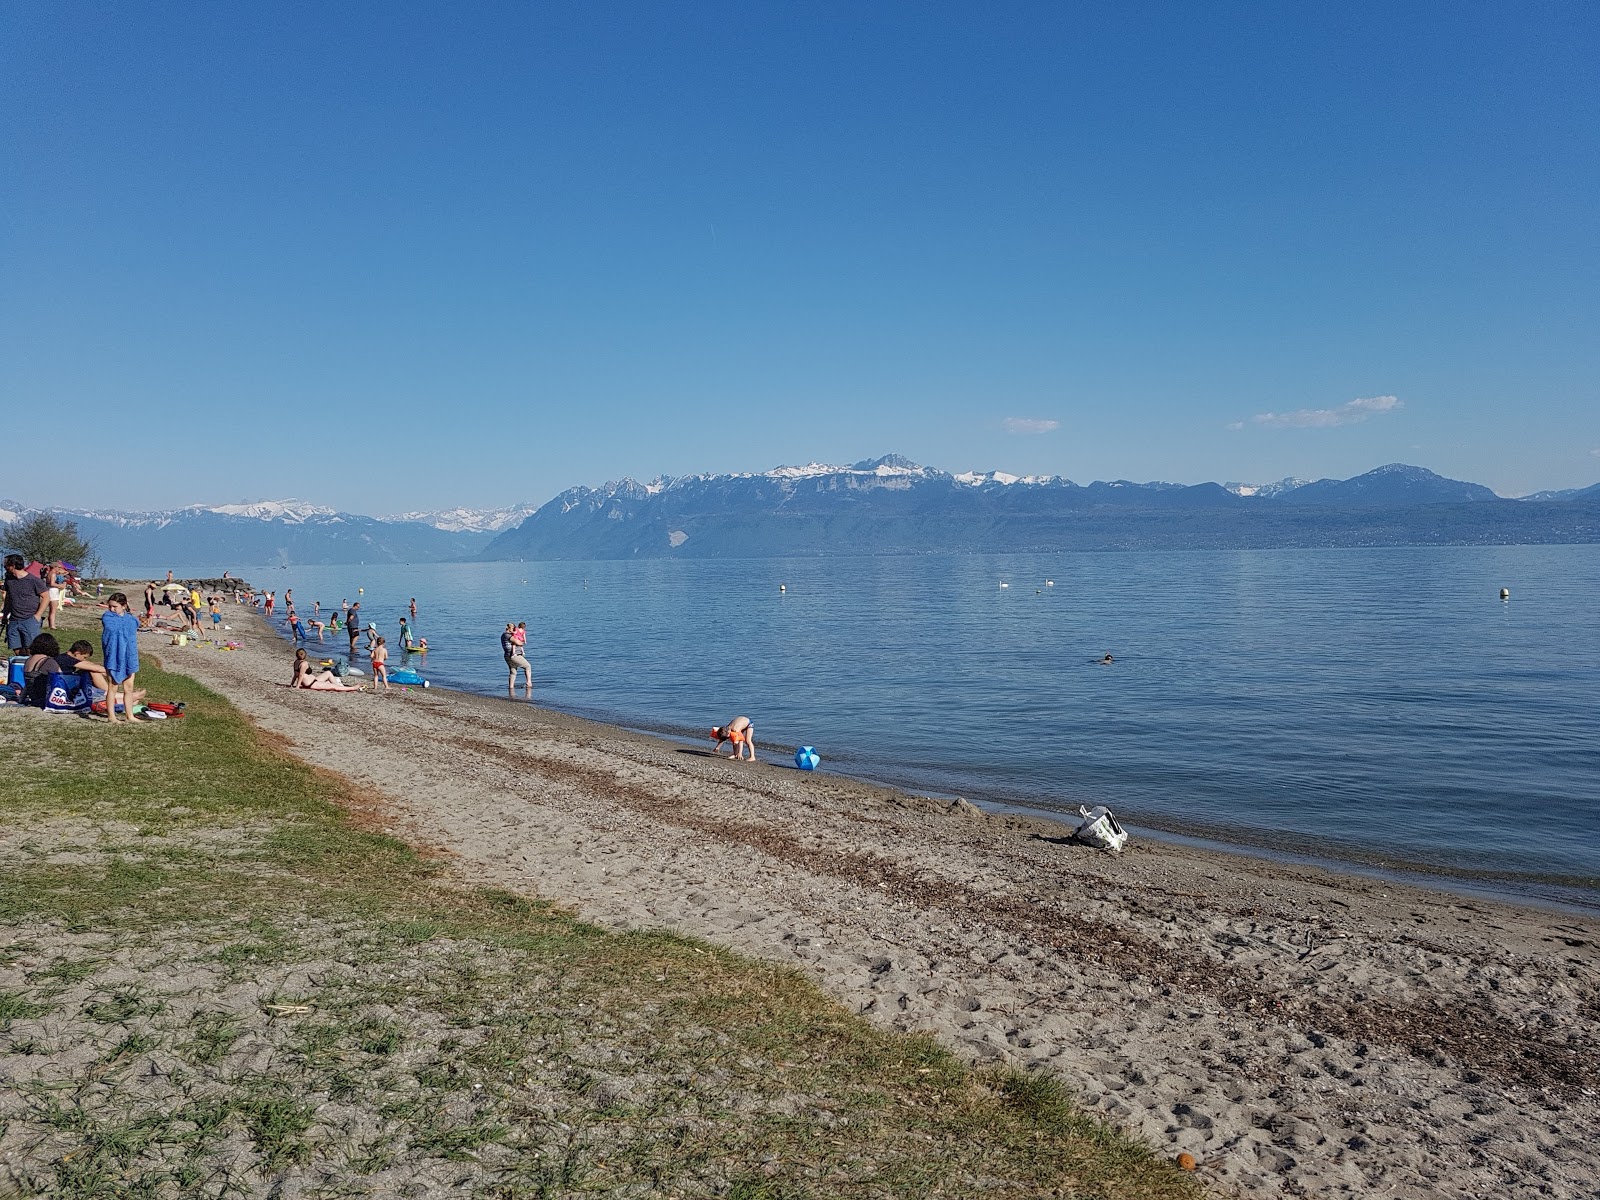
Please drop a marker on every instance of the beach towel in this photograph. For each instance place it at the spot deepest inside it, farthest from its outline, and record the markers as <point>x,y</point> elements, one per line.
<point>119,635</point>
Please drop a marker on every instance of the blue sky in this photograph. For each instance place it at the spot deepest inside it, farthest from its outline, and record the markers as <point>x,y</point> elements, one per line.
<point>392,256</point>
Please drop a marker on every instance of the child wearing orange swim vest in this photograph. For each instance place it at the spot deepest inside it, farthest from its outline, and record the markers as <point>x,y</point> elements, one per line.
<point>741,733</point>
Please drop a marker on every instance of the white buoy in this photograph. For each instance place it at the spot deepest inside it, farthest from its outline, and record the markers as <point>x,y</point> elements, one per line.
<point>1003,583</point>
<point>1049,583</point>
<point>783,587</point>
<point>1505,593</point>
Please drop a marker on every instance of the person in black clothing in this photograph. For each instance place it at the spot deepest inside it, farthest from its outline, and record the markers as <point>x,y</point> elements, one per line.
<point>353,624</point>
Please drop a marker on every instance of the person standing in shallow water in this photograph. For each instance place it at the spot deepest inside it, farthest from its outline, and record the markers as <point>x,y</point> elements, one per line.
<point>515,661</point>
<point>352,625</point>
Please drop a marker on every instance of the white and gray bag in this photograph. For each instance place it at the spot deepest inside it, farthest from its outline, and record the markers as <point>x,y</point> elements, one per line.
<point>1100,829</point>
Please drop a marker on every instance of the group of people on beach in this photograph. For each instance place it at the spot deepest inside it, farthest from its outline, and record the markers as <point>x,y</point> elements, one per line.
<point>109,686</point>
<point>348,618</point>
<point>35,593</point>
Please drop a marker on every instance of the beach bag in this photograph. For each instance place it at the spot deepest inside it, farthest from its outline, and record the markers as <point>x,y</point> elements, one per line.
<point>1100,829</point>
<point>65,693</point>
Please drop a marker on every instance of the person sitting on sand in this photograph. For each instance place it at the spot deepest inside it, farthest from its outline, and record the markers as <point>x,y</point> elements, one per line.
<point>741,733</point>
<point>43,652</point>
<point>316,681</point>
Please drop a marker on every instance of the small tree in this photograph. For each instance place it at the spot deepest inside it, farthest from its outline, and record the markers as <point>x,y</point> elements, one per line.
<point>48,538</point>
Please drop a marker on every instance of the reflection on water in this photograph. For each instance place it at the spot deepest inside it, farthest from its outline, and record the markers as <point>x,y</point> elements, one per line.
<point>1378,705</point>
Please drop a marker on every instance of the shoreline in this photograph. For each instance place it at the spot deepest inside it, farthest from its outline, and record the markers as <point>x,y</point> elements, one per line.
<point>1299,1031</point>
<point>1554,893</point>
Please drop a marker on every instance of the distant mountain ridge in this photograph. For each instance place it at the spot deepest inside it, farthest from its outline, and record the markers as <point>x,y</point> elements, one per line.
<point>252,534</point>
<point>892,505</point>
<point>887,505</point>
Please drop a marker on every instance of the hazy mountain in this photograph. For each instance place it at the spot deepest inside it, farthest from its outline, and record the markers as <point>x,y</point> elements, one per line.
<point>469,520</point>
<point>887,505</point>
<point>894,506</point>
<point>1266,491</point>
<point>1390,486</point>
<point>273,531</point>
<point>1566,494</point>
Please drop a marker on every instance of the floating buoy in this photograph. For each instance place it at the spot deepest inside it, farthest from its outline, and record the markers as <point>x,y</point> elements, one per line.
<point>361,591</point>
<point>1004,584</point>
<point>783,587</point>
<point>1505,593</point>
<point>1049,583</point>
<point>807,758</point>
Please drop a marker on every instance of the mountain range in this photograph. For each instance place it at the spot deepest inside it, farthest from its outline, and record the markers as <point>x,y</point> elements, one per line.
<point>891,505</point>
<point>887,505</point>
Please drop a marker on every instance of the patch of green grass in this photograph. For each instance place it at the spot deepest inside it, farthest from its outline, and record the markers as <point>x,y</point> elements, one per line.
<point>122,1005</point>
<point>15,1007</point>
<point>277,1125</point>
<point>214,1035</point>
<point>68,971</point>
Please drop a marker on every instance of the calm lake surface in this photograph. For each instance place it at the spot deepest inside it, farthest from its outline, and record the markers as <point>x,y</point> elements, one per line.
<point>1378,708</point>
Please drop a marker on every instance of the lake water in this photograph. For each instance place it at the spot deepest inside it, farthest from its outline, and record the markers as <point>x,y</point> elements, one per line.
<point>1380,708</point>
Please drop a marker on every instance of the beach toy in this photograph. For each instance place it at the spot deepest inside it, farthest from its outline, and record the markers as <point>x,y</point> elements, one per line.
<point>1186,1161</point>
<point>406,676</point>
<point>807,758</point>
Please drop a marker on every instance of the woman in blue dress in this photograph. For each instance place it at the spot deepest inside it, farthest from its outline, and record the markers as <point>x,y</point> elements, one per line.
<point>119,637</point>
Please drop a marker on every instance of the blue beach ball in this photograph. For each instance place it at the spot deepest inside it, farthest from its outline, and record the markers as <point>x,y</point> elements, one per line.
<point>807,758</point>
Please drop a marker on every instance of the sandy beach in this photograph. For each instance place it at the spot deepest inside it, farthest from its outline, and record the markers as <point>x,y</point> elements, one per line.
<point>1299,1032</point>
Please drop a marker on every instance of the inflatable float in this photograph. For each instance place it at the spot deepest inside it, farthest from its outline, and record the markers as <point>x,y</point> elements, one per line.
<point>407,677</point>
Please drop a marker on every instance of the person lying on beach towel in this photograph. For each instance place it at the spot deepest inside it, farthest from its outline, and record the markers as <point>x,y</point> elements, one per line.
<point>741,733</point>
<point>316,681</point>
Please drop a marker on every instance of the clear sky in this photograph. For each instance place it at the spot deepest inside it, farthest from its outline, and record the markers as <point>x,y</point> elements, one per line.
<point>393,255</point>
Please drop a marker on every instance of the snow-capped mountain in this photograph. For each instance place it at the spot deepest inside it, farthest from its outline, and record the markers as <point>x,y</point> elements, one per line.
<point>470,520</point>
<point>1266,491</point>
<point>290,512</point>
<point>211,538</point>
<point>886,505</point>
<point>892,505</point>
